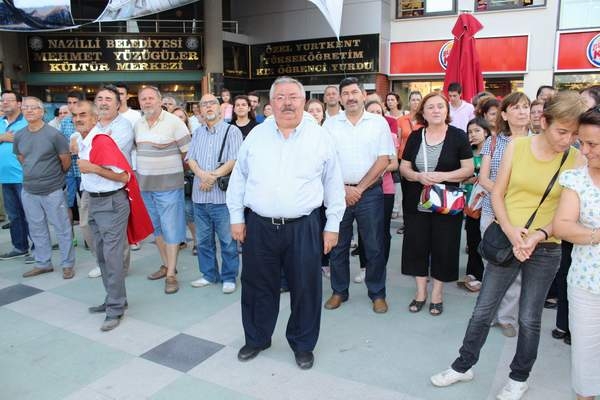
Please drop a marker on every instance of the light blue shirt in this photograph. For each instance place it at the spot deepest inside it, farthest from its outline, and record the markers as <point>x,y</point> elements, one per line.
<point>278,177</point>
<point>204,150</point>
<point>10,167</point>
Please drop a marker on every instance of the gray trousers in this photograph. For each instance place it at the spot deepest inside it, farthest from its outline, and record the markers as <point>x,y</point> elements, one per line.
<point>108,223</point>
<point>509,307</point>
<point>41,209</point>
<point>84,215</point>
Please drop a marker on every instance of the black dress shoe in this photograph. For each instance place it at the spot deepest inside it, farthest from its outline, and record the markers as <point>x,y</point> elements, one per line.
<point>248,352</point>
<point>558,334</point>
<point>567,339</point>
<point>101,308</point>
<point>304,359</point>
<point>6,226</point>
<point>550,305</point>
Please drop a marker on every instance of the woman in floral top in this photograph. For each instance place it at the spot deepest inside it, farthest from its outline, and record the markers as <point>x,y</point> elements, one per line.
<point>578,221</point>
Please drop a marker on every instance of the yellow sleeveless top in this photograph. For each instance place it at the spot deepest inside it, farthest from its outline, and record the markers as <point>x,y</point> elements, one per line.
<point>529,179</point>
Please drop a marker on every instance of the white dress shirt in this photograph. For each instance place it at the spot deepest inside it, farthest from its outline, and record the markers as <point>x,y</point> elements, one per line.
<point>122,133</point>
<point>278,177</point>
<point>358,146</point>
<point>92,182</point>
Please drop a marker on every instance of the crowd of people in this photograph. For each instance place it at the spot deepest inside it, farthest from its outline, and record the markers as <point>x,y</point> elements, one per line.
<point>286,189</point>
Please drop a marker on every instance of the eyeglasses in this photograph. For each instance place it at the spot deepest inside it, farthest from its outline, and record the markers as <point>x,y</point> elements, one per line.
<point>30,108</point>
<point>8,100</point>
<point>209,103</point>
<point>293,98</point>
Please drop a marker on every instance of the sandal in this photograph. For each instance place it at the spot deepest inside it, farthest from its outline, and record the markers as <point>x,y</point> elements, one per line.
<point>415,306</point>
<point>436,309</point>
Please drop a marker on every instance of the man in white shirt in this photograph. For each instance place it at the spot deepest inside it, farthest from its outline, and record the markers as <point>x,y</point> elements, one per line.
<point>283,174</point>
<point>108,215</point>
<point>130,115</point>
<point>461,112</point>
<point>331,98</point>
<point>363,142</point>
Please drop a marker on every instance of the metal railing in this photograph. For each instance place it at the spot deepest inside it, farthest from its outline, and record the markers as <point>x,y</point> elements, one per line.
<point>149,26</point>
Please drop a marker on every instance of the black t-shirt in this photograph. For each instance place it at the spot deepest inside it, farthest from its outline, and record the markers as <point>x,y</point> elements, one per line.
<point>246,128</point>
<point>456,147</point>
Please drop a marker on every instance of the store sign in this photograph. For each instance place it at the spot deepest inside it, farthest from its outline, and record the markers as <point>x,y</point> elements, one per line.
<point>329,56</point>
<point>578,51</point>
<point>115,53</point>
<point>496,55</point>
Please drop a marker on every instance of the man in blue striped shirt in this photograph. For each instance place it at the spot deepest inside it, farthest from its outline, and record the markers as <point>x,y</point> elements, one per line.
<point>213,151</point>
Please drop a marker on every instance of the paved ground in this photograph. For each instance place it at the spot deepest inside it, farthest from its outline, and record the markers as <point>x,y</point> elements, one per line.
<point>184,346</point>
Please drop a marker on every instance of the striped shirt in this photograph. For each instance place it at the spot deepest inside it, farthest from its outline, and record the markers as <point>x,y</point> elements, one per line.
<point>159,150</point>
<point>204,150</point>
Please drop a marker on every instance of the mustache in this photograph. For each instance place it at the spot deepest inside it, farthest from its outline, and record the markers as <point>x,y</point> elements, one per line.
<point>285,109</point>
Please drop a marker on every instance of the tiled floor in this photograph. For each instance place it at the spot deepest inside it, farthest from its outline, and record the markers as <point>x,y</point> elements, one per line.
<point>184,346</point>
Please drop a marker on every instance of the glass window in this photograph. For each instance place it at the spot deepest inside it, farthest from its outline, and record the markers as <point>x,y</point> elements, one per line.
<point>488,5</point>
<point>424,8</point>
<point>576,81</point>
<point>576,14</point>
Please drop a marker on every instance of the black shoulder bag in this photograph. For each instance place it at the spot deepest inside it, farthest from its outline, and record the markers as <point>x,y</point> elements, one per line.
<point>495,246</point>
<point>223,181</point>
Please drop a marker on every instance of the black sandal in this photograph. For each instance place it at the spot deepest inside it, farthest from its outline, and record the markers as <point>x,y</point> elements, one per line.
<point>415,306</point>
<point>436,309</point>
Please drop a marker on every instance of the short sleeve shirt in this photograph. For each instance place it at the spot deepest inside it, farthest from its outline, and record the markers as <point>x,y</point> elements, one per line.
<point>584,272</point>
<point>42,169</point>
<point>501,142</point>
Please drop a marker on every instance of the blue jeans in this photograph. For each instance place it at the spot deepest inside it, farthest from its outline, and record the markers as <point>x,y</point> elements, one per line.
<point>211,219</point>
<point>14,209</point>
<point>537,275</point>
<point>368,213</point>
<point>73,184</point>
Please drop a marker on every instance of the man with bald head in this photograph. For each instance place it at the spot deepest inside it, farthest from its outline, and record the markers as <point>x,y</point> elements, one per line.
<point>212,154</point>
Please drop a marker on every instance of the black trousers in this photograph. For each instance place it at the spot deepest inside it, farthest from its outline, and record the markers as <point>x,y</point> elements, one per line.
<point>474,262</point>
<point>562,304</point>
<point>296,249</point>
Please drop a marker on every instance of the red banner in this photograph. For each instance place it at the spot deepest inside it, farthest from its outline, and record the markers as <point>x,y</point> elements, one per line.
<point>578,51</point>
<point>498,54</point>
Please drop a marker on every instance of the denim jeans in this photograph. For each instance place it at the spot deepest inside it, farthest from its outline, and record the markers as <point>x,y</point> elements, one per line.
<point>368,213</point>
<point>537,274</point>
<point>211,219</point>
<point>14,209</point>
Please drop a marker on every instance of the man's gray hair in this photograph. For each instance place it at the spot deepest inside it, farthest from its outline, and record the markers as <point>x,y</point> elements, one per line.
<point>154,88</point>
<point>33,98</point>
<point>93,108</point>
<point>285,79</point>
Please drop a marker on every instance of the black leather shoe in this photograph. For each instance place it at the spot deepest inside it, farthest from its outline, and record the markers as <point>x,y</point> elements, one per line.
<point>558,334</point>
<point>248,352</point>
<point>304,359</point>
<point>101,308</point>
<point>567,339</point>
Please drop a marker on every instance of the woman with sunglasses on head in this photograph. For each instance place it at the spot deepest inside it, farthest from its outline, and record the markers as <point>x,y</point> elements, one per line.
<point>525,197</point>
<point>578,221</point>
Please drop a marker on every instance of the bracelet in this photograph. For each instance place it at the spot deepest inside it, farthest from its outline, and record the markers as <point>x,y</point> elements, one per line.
<point>593,240</point>
<point>544,232</point>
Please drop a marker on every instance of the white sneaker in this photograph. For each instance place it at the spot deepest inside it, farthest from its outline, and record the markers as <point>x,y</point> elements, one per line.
<point>513,390</point>
<point>95,273</point>
<point>450,377</point>
<point>360,277</point>
<point>326,271</point>
<point>228,287</point>
<point>200,283</point>
<point>135,246</point>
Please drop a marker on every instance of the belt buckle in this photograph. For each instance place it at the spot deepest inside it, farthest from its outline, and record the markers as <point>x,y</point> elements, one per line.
<point>275,223</point>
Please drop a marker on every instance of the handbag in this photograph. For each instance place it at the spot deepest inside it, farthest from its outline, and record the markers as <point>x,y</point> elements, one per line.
<point>223,181</point>
<point>473,206</point>
<point>440,198</point>
<point>495,245</point>
<point>188,183</point>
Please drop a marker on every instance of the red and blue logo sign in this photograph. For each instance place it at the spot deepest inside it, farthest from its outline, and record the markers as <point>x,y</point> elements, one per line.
<point>593,51</point>
<point>444,53</point>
